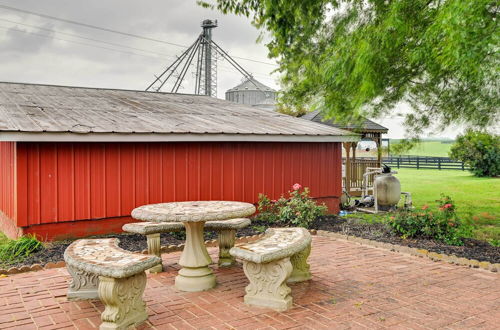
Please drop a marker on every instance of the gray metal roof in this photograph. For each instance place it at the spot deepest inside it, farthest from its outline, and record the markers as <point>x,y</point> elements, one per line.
<point>366,125</point>
<point>41,111</point>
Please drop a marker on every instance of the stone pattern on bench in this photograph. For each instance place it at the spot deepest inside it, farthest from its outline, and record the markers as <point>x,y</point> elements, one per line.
<point>105,258</point>
<point>150,227</point>
<point>269,262</point>
<point>277,243</point>
<point>238,223</point>
<point>193,211</point>
<point>121,282</point>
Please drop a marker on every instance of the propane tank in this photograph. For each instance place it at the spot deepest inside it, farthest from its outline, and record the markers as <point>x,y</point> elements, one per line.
<point>388,189</point>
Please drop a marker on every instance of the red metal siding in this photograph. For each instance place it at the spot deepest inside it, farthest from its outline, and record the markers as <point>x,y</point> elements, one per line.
<point>7,179</point>
<point>81,181</point>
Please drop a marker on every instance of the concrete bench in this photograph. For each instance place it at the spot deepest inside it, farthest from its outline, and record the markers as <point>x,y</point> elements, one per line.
<point>100,269</point>
<point>271,262</point>
<point>226,230</point>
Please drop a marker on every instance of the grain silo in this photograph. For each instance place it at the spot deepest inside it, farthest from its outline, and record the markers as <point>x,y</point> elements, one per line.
<point>254,93</point>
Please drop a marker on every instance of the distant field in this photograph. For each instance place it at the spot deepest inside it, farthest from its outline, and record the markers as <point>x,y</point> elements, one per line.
<point>430,148</point>
<point>476,198</point>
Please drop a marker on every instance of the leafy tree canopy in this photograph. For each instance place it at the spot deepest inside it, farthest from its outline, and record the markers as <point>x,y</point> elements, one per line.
<point>480,151</point>
<point>362,57</point>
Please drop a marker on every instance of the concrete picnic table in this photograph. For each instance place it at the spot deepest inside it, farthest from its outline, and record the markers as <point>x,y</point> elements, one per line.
<point>195,274</point>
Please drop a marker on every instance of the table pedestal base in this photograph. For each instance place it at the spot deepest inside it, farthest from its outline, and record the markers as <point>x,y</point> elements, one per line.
<point>195,279</point>
<point>195,274</point>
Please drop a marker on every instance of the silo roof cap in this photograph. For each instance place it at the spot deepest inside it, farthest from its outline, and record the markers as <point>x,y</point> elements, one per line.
<point>250,85</point>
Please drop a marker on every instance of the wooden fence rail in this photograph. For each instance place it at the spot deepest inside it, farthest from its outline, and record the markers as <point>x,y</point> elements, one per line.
<point>424,162</point>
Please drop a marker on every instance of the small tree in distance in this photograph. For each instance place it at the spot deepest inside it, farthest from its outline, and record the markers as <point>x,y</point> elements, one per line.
<point>480,151</point>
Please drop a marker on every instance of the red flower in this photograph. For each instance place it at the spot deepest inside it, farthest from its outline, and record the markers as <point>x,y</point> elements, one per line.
<point>425,207</point>
<point>296,186</point>
<point>446,206</point>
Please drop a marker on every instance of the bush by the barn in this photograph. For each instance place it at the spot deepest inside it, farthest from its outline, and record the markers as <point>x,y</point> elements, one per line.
<point>480,151</point>
<point>299,209</point>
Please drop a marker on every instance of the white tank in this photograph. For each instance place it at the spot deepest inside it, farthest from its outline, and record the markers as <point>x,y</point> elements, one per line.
<point>388,191</point>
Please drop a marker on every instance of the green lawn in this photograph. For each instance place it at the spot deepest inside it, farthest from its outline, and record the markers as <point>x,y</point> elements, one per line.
<point>477,199</point>
<point>430,148</point>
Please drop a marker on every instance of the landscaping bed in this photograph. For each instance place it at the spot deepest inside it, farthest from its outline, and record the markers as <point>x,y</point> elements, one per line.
<point>54,251</point>
<point>472,249</point>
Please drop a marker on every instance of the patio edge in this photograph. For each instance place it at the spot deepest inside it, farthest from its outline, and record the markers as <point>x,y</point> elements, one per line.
<point>452,259</point>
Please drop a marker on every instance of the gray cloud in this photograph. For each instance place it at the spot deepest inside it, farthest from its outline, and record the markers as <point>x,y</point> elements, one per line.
<point>19,40</point>
<point>31,58</point>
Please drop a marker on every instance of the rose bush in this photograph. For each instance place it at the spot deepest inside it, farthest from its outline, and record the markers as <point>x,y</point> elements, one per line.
<point>299,209</point>
<point>440,223</point>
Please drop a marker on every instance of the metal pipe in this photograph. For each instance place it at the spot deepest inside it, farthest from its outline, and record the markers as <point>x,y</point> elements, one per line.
<point>176,63</point>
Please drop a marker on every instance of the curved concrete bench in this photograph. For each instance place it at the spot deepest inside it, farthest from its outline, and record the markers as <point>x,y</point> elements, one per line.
<point>226,230</point>
<point>271,262</point>
<point>100,269</point>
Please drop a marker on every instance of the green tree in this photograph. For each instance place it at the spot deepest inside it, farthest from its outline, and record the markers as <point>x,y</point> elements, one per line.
<point>480,151</point>
<point>362,57</point>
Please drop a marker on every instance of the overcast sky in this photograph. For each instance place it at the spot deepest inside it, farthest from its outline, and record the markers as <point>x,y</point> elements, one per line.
<point>35,49</point>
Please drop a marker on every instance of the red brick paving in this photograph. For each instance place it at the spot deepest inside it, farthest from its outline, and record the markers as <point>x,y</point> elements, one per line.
<point>353,287</point>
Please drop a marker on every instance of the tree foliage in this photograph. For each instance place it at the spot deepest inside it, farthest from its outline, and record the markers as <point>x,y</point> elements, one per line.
<point>362,57</point>
<point>480,151</point>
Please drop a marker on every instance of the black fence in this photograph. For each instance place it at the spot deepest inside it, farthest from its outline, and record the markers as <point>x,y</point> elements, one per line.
<point>424,162</point>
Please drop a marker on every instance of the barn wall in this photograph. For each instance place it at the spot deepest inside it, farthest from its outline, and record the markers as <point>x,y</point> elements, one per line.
<point>7,178</point>
<point>79,181</point>
<point>7,188</point>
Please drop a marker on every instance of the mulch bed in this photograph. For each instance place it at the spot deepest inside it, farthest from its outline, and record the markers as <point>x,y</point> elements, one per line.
<point>472,249</point>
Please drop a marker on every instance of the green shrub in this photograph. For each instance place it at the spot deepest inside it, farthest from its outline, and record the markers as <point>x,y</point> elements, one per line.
<point>440,223</point>
<point>299,209</point>
<point>478,150</point>
<point>17,250</point>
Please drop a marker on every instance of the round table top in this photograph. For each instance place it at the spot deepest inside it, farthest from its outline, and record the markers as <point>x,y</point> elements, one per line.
<point>193,211</point>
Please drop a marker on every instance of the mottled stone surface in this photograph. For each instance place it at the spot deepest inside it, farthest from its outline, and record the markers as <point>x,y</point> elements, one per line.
<point>278,243</point>
<point>195,274</point>
<point>267,287</point>
<point>148,227</point>
<point>269,263</point>
<point>237,223</point>
<point>103,257</point>
<point>225,228</point>
<point>122,299</point>
<point>193,211</point>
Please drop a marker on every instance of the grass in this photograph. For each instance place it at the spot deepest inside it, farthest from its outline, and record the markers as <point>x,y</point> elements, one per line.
<point>430,148</point>
<point>477,199</point>
<point>12,251</point>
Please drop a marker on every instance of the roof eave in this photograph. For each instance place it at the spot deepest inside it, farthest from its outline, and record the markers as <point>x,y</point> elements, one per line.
<point>171,137</point>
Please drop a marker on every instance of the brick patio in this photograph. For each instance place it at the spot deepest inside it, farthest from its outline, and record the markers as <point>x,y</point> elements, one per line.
<point>353,286</point>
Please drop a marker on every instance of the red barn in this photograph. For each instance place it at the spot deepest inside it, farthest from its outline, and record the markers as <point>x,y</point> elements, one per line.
<point>75,161</point>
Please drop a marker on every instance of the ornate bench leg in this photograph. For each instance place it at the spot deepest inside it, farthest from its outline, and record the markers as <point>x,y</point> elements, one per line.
<point>300,270</point>
<point>83,285</point>
<point>227,238</point>
<point>267,286</point>
<point>122,299</point>
<point>154,248</point>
